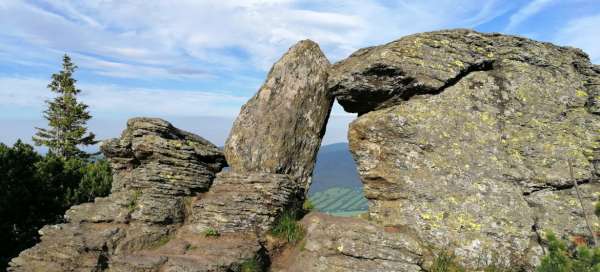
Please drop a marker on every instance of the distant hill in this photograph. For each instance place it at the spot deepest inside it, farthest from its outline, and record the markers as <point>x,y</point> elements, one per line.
<point>335,168</point>
<point>336,186</point>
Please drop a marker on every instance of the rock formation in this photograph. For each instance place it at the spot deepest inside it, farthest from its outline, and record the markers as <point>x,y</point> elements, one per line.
<point>272,146</point>
<point>157,169</point>
<point>466,142</point>
<point>469,137</point>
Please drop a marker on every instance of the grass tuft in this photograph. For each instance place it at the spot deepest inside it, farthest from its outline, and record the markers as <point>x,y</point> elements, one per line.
<point>446,262</point>
<point>288,228</point>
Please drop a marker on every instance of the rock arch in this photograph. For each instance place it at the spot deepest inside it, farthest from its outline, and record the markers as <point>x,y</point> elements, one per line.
<point>462,144</point>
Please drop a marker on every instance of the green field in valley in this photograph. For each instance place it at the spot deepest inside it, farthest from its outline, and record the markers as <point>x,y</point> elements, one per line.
<point>340,201</point>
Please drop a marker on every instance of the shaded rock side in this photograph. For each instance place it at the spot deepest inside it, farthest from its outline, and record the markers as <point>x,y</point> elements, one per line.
<point>280,129</point>
<point>156,171</point>
<point>480,165</point>
<point>427,63</point>
<point>247,202</point>
<point>337,244</point>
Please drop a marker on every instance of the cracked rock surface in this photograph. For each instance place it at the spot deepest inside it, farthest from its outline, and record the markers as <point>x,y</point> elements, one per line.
<point>481,165</point>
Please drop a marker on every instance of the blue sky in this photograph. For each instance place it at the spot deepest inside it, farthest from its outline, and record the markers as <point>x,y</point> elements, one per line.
<point>196,62</point>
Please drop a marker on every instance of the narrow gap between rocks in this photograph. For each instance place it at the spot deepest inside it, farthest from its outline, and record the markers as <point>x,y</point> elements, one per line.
<point>336,188</point>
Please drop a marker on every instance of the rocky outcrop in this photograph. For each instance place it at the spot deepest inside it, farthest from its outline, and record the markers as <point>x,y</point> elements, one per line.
<point>280,129</point>
<point>471,138</point>
<point>157,170</point>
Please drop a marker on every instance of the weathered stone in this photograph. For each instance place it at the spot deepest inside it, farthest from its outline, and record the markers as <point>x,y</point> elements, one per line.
<point>349,244</point>
<point>103,210</point>
<point>156,168</point>
<point>559,211</point>
<point>155,156</point>
<point>488,121</point>
<point>427,63</point>
<point>245,202</point>
<point>189,252</point>
<point>280,129</point>
<point>70,247</point>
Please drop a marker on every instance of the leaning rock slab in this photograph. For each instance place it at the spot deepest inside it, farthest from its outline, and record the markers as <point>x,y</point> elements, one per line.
<point>280,129</point>
<point>465,167</point>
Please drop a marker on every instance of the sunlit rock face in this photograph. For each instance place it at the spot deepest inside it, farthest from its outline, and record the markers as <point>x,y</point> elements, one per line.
<point>468,139</point>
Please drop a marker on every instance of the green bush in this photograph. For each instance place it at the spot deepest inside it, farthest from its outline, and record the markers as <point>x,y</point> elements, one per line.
<point>210,232</point>
<point>36,190</point>
<point>288,228</point>
<point>597,209</point>
<point>560,259</point>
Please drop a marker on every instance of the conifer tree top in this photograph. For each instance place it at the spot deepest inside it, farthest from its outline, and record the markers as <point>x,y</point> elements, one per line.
<point>66,116</point>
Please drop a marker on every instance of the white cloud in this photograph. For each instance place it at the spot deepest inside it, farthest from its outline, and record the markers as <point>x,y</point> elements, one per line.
<point>110,100</point>
<point>526,12</point>
<point>583,33</point>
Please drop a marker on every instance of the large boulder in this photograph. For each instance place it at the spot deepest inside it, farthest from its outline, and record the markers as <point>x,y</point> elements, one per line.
<point>427,63</point>
<point>471,140</point>
<point>280,129</point>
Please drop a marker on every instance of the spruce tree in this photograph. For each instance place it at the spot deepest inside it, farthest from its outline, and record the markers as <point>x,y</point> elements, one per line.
<point>66,117</point>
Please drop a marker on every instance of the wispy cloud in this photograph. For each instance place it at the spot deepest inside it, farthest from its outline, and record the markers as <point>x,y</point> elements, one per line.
<point>583,33</point>
<point>158,38</point>
<point>526,12</point>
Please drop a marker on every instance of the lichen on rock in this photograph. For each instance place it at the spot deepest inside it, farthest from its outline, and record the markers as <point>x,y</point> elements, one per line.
<point>464,166</point>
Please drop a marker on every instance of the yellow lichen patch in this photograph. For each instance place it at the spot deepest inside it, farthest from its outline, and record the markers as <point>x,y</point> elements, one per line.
<point>459,63</point>
<point>581,93</point>
<point>465,221</point>
<point>487,118</point>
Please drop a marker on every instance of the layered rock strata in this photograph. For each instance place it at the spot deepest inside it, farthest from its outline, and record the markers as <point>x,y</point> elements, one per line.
<point>157,170</point>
